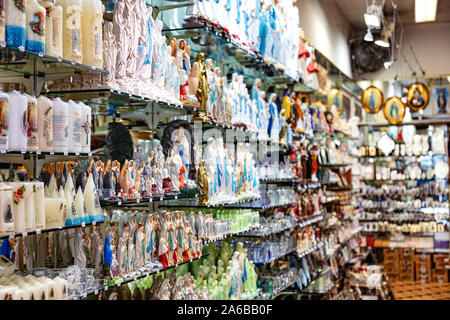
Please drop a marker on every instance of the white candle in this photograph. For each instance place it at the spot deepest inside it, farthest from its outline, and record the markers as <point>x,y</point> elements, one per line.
<point>29,207</point>
<point>35,26</point>
<point>17,121</point>
<point>16,19</point>
<point>8,292</point>
<point>28,292</point>
<point>74,127</point>
<point>39,288</point>
<point>72,217</point>
<point>39,205</point>
<point>4,119</point>
<point>53,28</point>
<point>92,21</point>
<point>18,207</point>
<point>60,126</point>
<point>60,288</point>
<point>80,206</point>
<point>72,36</point>
<point>45,123</point>
<point>92,202</point>
<point>85,128</point>
<point>6,213</point>
<point>55,206</point>
<point>32,124</point>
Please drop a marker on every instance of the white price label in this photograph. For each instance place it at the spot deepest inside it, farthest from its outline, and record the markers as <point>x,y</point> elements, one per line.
<point>12,236</point>
<point>106,288</point>
<point>24,234</point>
<point>66,153</point>
<point>96,291</point>
<point>94,223</point>
<point>52,153</point>
<point>38,231</point>
<point>138,201</point>
<point>135,278</point>
<point>120,203</point>
<point>176,197</point>
<point>161,199</point>
<point>83,224</point>
<point>38,152</point>
<point>151,199</point>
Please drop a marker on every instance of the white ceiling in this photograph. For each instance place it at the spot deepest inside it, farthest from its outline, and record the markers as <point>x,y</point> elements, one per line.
<point>353,10</point>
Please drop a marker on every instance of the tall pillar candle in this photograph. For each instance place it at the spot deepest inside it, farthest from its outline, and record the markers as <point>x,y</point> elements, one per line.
<point>35,26</point>
<point>16,19</point>
<point>92,201</point>
<point>45,123</point>
<point>4,121</point>
<point>31,126</point>
<point>53,28</point>
<point>55,206</point>
<point>92,20</point>
<point>60,126</point>
<point>29,206</point>
<point>80,206</point>
<point>72,35</point>
<point>74,127</point>
<point>85,128</point>
<point>18,206</point>
<point>17,121</point>
<point>6,213</point>
<point>39,205</point>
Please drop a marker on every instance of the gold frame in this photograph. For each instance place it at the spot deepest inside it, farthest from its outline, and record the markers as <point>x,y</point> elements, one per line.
<point>392,122</point>
<point>330,98</point>
<point>367,108</point>
<point>426,99</point>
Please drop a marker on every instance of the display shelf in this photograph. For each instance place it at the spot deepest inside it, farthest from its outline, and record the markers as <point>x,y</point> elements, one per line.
<point>276,257</point>
<point>142,202</point>
<point>279,181</point>
<point>339,188</point>
<point>417,123</point>
<point>220,46</point>
<point>334,165</point>
<point>33,68</point>
<point>137,277</point>
<point>342,244</point>
<point>34,161</point>
<point>189,202</point>
<point>39,231</point>
<point>312,249</point>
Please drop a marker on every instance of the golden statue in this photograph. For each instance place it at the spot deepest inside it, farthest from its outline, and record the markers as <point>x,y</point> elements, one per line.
<point>202,90</point>
<point>202,181</point>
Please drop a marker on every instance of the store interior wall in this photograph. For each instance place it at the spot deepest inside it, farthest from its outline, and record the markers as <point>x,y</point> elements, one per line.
<point>431,44</point>
<point>328,30</point>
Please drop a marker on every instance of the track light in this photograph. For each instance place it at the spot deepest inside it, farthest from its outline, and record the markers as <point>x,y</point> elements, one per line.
<point>388,64</point>
<point>368,37</point>
<point>373,16</point>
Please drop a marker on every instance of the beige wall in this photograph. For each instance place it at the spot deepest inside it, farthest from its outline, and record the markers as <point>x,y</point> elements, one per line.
<point>327,30</point>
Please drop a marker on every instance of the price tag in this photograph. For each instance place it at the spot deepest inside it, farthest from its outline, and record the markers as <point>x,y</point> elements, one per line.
<point>94,68</point>
<point>106,288</point>
<point>135,278</point>
<point>84,295</point>
<point>73,62</point>
<point>66,153</point>
<point>2,151</point>
<point>96,292</point>
<point>52,153</point>
<point>12,236</point>
<point>83,224</point>
<point>176,197</point>
<point>23,151</point>
<point>90,154</point>
<point>59,59</point>
<point>119,203</point>
<point>38,231</point>
<point>38,152</point>
<point>94,223</point>
<point>150,199</point>
<point>77,153</point>
<point>161,199</point>
<point>138,200</point>
<point>190,260</point>
<point>24,234</point>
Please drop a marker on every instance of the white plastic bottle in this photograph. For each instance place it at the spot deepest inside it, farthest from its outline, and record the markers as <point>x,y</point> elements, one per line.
<point>92,20</point>
<point>17,121</point>
<point>72,35</point>
<point>85,128</point>
<point>53,28</point>
<point>16,19</point>
<point>45,123</point>
<point>60,126</point>
<point>32,124</point>
<point>4,121</point>
<point>35,26</point>
<point>74,127</point>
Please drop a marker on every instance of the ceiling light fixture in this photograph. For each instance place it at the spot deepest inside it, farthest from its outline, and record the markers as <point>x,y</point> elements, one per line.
<point>388,64</point>
<point>373,15</point>
<point>368,37</point>
<point>425,10</point>
<point>383,41</point>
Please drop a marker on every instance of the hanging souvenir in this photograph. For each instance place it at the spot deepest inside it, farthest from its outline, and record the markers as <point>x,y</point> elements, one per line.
<point>335,97</point>
<point>394,110</point>
<point>418,96</point>
<point>372,99</point>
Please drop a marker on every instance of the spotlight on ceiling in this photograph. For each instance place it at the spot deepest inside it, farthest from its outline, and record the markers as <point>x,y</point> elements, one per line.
<point>383,42</point>
<point>388,64</point>
<point>368,37</point>
<point>425,10</point>
<point>373,16</point>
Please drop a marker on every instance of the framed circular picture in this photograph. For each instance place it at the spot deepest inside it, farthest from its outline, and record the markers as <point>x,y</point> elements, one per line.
<point>394,110</point>
<point>372,99</point>
<point>336,98</point>
<point>418,96</point>
<point>320,104</point>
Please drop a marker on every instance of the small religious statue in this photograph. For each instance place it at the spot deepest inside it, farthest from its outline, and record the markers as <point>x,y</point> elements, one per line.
<point>202,90</point>
<point>202,182</point>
